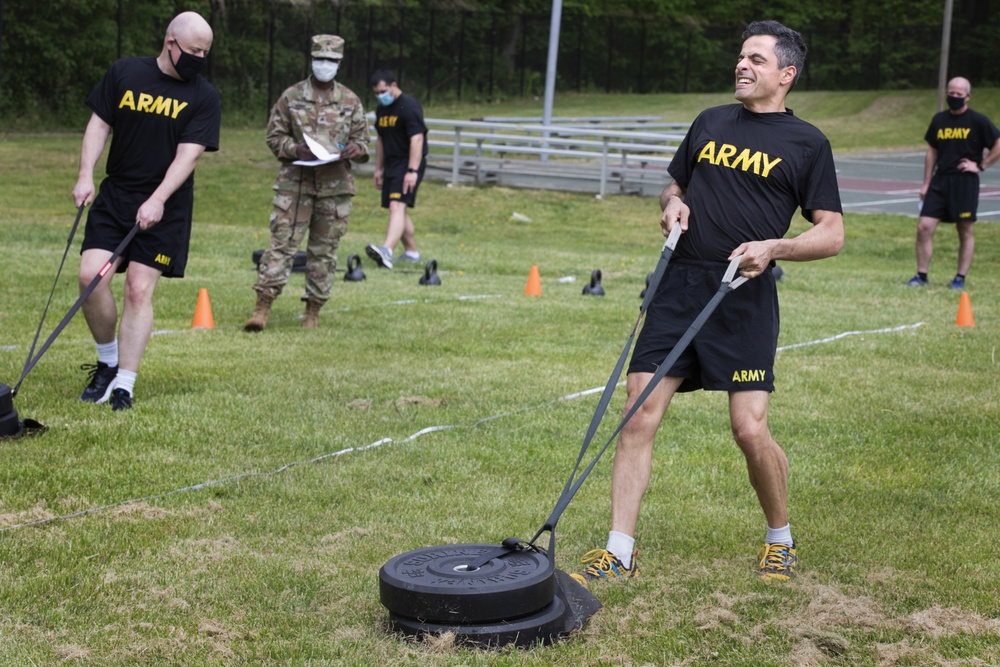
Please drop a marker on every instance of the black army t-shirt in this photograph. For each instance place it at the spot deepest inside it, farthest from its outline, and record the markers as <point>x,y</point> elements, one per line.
<point>396,123</point>
<point>957,136</point>
<point>745,174</point>
<point>150,113</point>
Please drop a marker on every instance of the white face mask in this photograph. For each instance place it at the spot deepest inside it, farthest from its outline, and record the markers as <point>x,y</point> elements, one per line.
<point>325,70</point>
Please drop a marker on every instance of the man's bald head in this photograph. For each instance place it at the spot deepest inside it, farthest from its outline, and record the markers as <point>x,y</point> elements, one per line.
<point>190,25</point>
<point>188,37</point>
<point>960,83</point>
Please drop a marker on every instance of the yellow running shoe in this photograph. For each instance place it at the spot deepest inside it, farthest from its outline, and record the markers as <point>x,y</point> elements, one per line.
<point>602,564</point>
<point>778,562</point>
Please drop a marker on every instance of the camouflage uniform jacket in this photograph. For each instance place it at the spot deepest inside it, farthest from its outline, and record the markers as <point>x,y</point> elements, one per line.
<point>331,117</point>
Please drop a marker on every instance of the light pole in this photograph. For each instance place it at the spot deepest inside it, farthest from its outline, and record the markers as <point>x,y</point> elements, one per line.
<point>945,48</point>
<point>550,72</point>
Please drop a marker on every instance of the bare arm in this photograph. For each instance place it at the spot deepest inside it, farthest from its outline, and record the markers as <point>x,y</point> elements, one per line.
<point>358,138</point>
<point>967,165</point>
<point>378,163</point>
<point>416,157</point>
<point>992,156</point>
<point>94,138</point>
<point>824,239</point>
<point>674,208</point>
<point>151,211</point>
<point>930,159</point>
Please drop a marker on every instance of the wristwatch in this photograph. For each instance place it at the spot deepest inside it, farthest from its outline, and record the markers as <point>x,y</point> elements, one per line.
<point>410,170</point>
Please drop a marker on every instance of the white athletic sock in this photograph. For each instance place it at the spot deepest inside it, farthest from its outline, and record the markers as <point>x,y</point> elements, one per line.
<point>621,545</point>
<point>780,535</point>
<point>125,380</point>
<point>107,353</point>
<point>412,254</point>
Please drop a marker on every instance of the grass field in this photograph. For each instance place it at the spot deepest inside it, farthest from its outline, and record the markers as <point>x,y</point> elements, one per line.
<point>892,438</point>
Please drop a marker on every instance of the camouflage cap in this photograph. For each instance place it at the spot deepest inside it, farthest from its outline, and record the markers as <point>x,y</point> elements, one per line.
<point>327,46</point>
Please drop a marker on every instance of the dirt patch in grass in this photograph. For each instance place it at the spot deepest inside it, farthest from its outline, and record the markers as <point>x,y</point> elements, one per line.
<point>940,622</point>
<point>821,631</point>
<point>830,608</point>
<point>39,512</point>
<point>141,511</point>
<point>71,653</point>
<point>404,401</point>
<point>718,614</point>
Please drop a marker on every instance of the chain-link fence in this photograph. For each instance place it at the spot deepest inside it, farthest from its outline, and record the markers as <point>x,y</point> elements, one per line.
<point>52,53</point>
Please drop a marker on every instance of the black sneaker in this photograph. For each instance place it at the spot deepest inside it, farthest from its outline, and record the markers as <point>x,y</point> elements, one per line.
<point>121,400</point>
<point>100,382</point>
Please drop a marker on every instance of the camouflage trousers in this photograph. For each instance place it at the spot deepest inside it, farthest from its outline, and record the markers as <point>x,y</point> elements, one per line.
<point>294,213</point>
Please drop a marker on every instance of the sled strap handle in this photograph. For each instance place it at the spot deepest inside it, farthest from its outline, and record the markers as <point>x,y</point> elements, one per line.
<point>30,363</point>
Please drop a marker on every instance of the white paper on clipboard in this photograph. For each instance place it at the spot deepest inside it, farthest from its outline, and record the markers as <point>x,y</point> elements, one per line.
<point>323,156</point>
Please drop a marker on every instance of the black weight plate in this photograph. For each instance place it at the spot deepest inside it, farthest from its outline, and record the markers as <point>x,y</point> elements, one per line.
<point>9,424</point>
<point>433,584</point>
<point>543,626</point>
<point>6,400</point>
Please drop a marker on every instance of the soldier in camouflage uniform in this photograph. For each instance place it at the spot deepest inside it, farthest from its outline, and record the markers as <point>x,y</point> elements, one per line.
<point>316,198</point>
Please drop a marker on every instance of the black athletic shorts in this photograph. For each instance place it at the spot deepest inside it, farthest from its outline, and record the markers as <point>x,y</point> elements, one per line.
<point>734,351</point>
<point>392,184</point>
<point>163,247</point>
<point>952,198</point>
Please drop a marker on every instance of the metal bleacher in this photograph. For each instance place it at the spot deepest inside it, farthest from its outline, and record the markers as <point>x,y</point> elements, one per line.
<point>599,154</point>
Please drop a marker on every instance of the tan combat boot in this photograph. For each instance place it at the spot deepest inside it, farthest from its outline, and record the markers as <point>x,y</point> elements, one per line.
<point>260,312</point>
<point>311,318</point>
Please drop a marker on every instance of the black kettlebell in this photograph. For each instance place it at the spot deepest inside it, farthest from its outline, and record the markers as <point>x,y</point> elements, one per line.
<point>594,288</point>
<point>430,276</point>
<point>354,273</point>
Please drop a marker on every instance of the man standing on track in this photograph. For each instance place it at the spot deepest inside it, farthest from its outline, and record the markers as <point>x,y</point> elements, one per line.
<point>400,161</point>
<point>738,177</point>
<point>955,140</point>
<point>164,115</point>
<point>314,198</point>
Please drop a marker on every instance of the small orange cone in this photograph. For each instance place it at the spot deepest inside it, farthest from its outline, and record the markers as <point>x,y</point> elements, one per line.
<point>203,312</point>
<point>534,286</point>
<point>964,318</point>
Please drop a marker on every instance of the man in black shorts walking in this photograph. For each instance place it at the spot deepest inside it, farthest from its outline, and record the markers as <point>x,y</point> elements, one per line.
<point>955,140</point>
<point>738,177</point>
<point>164,115</point>
<point>400,161</point>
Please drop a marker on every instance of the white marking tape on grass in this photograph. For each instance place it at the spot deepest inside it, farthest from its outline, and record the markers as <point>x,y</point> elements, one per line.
<point>410,302</point>
<point>384,441</point>
<point>902,327</point>
<point>81,341</point>
<point>404,302</point>
<point>218,482</point>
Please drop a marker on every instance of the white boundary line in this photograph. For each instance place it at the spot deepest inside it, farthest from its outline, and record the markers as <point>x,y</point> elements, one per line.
<point>385,441</point>
<point>902,327</point>
<point>405,302</point>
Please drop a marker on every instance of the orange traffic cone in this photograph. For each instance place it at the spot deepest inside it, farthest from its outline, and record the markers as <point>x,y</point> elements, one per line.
<point>534,286</point>
<point>964,318</point>
<point>203,312</point>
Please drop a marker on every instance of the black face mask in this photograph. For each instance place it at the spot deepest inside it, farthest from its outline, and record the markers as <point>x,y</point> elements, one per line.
<point>955,103</point>
<point>188,66</point>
